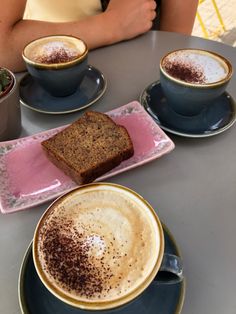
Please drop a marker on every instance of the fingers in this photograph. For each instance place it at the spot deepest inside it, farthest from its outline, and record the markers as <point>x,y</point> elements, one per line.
<point>152,15</point>
<point>133,17</point>
<point>153,5</point>
<point>151,9</point>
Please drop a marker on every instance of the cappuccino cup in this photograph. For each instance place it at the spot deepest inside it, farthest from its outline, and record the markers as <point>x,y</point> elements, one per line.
<point>192,79</point>
<point>100,246</point>
<point>57,63</point>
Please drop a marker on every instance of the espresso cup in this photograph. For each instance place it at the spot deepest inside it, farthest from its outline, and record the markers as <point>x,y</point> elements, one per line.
<point>57,63</point>
<point>192,79</point>
<point>10,112</point>
<point>100,246</point>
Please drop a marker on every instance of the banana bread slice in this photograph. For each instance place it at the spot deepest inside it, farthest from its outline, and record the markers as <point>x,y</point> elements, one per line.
<point>89,147</point>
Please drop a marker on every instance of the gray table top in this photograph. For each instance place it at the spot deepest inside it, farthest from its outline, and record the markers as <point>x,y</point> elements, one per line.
<point>193,188</point>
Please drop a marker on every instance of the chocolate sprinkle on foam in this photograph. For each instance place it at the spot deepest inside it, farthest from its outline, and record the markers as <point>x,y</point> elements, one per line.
<point>185,71</point>
<point>60,55</point>
<point>68,260</point>
<point>90,247</point>
<point>56,52</point>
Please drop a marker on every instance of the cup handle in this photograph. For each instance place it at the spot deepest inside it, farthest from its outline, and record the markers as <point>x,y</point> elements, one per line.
<point>171,270</point>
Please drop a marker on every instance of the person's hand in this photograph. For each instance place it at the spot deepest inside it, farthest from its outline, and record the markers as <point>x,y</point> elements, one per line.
<point>129,18</point>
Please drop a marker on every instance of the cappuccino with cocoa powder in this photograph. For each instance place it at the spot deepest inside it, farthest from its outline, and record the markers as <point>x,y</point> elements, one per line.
<point>55,49</point>
<point>195,66</point>
<point>57,63</point>
<point>98,246</point>
<point>192,79</point>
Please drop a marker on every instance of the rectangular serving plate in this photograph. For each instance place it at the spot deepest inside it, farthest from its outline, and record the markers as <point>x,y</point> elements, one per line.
<point>28,178</point>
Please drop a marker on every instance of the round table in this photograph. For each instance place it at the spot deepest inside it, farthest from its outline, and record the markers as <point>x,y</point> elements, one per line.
<point>193,189</point>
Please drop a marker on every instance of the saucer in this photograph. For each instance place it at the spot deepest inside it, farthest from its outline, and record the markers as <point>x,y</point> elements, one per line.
<point>35,298</point>
<point>33,96</point>
<point>214,119</point>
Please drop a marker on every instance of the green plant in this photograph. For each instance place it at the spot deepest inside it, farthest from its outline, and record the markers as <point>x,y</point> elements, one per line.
<point>5,79</point>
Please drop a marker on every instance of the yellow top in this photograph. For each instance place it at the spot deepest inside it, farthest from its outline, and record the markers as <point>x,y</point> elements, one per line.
<point>61,10</point>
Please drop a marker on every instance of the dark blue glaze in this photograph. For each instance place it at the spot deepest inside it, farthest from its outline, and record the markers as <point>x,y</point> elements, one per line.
<point>59,82</point>
<point>213,119</point>
<point>189,100</point>
<point>92,87</point>
<point>157,298</point>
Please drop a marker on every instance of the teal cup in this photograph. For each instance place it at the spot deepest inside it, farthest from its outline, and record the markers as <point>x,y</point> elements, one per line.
<point>57,63</point>
<point>192,79</point>
<point>100,246</point>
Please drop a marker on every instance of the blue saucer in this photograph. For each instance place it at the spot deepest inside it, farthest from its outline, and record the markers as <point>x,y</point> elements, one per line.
<point>33,96</point>
<point>161,298</point>
<point>214,119</point>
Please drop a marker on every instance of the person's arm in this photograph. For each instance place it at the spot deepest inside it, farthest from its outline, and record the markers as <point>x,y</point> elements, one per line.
<point>122,20</point>
<point>178,15</point>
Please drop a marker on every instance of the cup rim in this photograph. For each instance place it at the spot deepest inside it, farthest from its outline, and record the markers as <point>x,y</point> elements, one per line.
<point>61,65</point>
<point>90,304</point>
<point>204,85</point>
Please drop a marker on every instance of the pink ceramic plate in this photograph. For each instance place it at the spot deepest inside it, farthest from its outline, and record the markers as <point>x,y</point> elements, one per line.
<point>28,178</point>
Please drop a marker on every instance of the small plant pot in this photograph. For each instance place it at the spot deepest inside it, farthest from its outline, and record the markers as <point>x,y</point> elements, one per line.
<point>10,113</point>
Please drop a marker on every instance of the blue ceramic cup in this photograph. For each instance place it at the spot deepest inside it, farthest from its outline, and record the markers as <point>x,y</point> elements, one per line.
<point>192,79</point>
<point>99,246</point>
<point>57,63</point>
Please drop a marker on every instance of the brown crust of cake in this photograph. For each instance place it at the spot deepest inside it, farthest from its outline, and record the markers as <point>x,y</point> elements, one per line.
<point>89,147</point>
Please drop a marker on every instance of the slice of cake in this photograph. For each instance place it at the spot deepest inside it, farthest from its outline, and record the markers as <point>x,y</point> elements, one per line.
<point>89,147</point>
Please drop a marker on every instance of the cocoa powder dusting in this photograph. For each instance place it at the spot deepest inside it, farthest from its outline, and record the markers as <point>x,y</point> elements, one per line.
<point>185,71</point>
<point>60,55</point>
<point>68,261</point>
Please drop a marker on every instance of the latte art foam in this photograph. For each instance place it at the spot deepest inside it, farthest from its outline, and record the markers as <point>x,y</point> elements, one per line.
<point>195,67</point>
<point>100,247</point>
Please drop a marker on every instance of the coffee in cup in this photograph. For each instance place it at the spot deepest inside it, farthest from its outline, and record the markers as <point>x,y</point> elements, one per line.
<point>58,63</point>
<point>98,247</point>
<point>192,79</point>
<point>56,51</point>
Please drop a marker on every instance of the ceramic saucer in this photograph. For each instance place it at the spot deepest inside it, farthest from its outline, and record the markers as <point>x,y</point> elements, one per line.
<point>213,120</point>
<point>33,96</point>
<point>157,298</point>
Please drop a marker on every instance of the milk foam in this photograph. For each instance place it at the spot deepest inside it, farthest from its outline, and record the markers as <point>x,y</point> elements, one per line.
<point>46,47</point>
<point>118,243</point>
<point>213,68</point>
